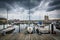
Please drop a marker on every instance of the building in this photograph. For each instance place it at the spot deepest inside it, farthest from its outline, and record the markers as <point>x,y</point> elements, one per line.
<point>46,18</point>
<point>3,20</point>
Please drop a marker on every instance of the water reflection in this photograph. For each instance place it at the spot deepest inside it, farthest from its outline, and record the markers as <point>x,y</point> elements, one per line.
<point>22,27</point>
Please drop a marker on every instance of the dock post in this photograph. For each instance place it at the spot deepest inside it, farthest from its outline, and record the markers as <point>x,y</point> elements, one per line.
<point>19,28</point>
<point>52,28</point>
<point>3,26</point>
<point>49,29</point>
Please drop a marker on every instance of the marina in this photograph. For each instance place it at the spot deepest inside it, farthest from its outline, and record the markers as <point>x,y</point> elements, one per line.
<point>20,33</point>
<point>30,30</point>
<point>29,19</point>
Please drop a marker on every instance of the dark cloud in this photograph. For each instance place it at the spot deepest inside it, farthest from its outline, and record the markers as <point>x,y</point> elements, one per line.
<point>24,3</point>
<point>54,5</point>
<point>2,5</point>
<point>9,0</point>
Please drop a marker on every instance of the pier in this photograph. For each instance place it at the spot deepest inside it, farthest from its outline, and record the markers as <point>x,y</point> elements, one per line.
<point>21,36</point>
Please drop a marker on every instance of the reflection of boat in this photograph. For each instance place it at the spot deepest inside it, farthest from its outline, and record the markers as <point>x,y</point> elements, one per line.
<point>42,26</point>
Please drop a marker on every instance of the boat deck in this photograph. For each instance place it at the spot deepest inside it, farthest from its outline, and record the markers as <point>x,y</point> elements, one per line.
<point>21,36</point>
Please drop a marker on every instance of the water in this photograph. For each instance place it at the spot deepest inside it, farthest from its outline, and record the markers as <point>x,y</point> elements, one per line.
<point>22,27</point>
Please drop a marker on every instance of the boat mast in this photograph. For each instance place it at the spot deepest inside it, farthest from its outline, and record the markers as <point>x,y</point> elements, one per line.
<point>7,16</point>
<point>29,11</point>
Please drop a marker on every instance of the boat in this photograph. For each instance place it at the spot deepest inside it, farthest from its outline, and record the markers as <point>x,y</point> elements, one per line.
<point>7,30</point>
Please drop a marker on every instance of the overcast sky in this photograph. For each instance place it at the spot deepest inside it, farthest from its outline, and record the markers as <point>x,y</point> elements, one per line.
<point>19,9</point>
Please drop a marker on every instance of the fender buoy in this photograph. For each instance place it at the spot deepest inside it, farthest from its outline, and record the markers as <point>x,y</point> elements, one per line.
<point>30,29</point>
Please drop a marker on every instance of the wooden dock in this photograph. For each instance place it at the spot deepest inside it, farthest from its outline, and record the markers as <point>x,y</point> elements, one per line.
<point>21,36</point>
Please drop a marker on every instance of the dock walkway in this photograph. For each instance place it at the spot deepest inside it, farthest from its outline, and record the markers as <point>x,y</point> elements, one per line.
<point>21,36</point>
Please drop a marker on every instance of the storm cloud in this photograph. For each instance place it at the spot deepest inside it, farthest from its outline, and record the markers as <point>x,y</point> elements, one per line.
<point>54,5</point>
<point>24,3</point>
<point>19,9</point>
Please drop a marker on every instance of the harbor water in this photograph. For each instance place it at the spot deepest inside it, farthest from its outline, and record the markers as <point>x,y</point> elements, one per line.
<point>23,26</point>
